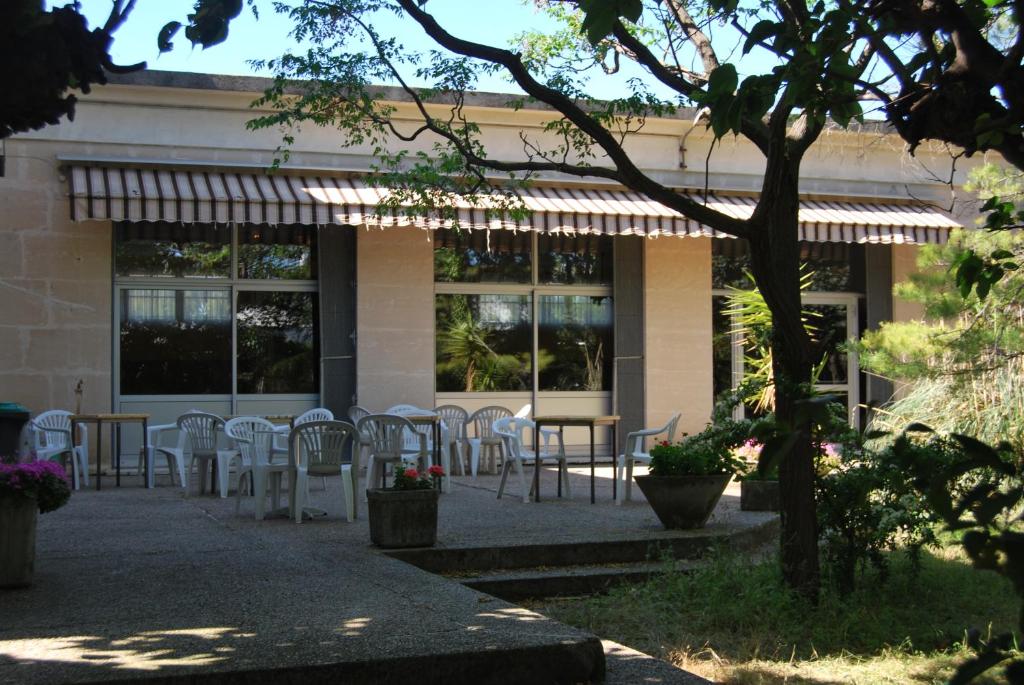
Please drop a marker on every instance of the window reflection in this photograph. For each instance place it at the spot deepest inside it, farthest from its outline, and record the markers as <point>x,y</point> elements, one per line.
<point>483,343</point>
<point>575,259</point>
<point>829,340</point>
<point>575,342</point>
<point>277,350</point>
<point>175,342</point>
<point>277,252</point>
<point>835,267</point>
<point>161,249</point>
<point>466,256</point>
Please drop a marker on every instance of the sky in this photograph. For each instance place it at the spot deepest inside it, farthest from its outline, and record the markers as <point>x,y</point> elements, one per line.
<point>492,21</point>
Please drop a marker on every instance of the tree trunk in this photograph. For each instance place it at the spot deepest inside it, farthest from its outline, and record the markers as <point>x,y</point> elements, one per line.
<point>775,262</point>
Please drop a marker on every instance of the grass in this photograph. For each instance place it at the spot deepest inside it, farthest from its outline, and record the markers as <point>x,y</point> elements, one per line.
<point>731,622</point>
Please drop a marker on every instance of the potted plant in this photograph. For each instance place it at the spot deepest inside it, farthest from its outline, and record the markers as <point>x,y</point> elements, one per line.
<point>687,478</point>
<point>405,515</point>
<point>25,491</point>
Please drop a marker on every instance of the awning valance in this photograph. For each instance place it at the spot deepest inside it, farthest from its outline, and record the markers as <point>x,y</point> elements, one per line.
<point>190,196</point>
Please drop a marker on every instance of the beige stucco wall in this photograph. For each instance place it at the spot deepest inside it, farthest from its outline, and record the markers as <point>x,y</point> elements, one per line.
<point>54,290</point>
<point>394,318</point>
<point>904,263</point>
<point>677,311</point>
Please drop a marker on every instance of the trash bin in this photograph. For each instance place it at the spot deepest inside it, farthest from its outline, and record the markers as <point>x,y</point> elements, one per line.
<point>12,419</point>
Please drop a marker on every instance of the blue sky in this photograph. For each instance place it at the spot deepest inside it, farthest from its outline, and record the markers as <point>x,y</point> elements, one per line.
<point>493,21</point>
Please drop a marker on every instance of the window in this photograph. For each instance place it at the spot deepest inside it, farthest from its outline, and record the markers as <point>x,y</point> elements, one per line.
<point>831,303</point>
<point>488,336</point>
<point>212,309</point>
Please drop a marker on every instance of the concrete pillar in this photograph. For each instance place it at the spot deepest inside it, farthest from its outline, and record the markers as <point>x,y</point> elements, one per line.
<point>395,311</point>
<point>677,314</point>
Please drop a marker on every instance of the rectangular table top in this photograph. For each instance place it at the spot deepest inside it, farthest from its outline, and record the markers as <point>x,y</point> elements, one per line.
<point>566,420</point>
<point>110,417</point>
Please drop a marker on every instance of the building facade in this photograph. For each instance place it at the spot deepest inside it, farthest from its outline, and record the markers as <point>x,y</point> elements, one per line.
<point>150,264</point>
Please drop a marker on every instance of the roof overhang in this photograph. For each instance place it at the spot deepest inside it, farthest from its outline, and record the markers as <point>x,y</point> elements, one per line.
<point>123,193</point>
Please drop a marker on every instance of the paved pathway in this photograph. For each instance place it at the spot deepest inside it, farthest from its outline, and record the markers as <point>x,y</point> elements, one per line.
<point>139,585</point>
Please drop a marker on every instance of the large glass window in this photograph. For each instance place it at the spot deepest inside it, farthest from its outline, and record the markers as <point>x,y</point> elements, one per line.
<point>485,326</point>
<point>175,342</point>
<point>466,256</point>
<point>574,342</point>
<point>483,343</point>
<point>210,309</point>
<point>277,342</point>
<point>166,250</point>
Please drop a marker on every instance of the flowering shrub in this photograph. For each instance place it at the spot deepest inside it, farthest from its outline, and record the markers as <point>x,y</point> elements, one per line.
<point>413,479</point>
<point>43,481</point>
<point>710,451</point>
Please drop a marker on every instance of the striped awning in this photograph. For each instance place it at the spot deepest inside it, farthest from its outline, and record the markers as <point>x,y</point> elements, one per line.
<point>190,196</point>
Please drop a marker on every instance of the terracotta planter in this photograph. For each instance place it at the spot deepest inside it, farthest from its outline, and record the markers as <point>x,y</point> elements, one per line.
<point>18,515</point>
<point>683,501</point>
<point>403,518</point>
<point>759,495</point>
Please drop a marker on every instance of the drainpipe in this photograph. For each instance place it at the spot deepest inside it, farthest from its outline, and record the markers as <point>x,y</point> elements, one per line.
<point>702,113</point>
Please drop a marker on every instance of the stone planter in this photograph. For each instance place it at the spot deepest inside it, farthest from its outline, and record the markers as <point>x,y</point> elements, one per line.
<point>683,501</point>
<point>403,518</point>
<point>18,515</point>
<point>759,495</point>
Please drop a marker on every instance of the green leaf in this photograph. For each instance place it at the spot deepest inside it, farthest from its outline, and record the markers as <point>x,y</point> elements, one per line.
<point>163,40</point>
<point>723,80</point>
<point>761,31</point>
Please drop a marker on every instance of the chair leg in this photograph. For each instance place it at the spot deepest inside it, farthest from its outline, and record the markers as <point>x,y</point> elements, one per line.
<point>563,472</point>
<point>348,487</point>
<point>522,476</point>
<point>74,471</point>
<point>297,494</point>
<point>223,464</point>
<point>504,477</point>
<point>474,458</point>
<point>259,490</point>
<point>627,486</point>
<point>371,475</point>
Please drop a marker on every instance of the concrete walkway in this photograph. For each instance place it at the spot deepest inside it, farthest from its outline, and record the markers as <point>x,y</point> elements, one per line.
<point>151,586</point>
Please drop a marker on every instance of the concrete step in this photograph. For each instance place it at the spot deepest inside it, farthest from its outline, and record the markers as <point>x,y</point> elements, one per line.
<point>563,581</point>
<point>689,545</point>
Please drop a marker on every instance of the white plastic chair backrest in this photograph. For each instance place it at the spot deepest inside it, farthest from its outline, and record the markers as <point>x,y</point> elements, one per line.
<point>320,446</point>
<point>636,445</point>
<point>254,436</point>
<point>524,411</point>
<point>201,428</point>
<point>483,420</point>
<point>455,418</point>
<point>386,433</point>
<point>318,414</point>
<point>59,423</point>
<point>670,427</point>
<point>355,412</point>
<point>511,429</point>
<point>412,442</point>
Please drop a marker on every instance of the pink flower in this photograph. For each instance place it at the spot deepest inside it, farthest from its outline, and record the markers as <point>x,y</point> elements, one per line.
<point>411,473</point>
<point>436,470</point>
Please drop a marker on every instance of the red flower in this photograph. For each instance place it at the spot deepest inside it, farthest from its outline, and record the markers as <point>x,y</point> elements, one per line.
<point>435,470</point>
<point>411,473</point>
<point>664,443</point>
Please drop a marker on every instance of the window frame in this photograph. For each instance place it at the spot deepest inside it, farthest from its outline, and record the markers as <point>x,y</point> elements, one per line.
<point>534,290</point>
<point>233,284</point>
<point>852,302</point>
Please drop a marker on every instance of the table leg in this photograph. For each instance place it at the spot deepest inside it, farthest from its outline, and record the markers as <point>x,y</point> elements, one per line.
<point>75,466</point>
<point>143,453</point>
<point>117,453</point>
<point>593,494</point>
<point>615,455</point>
<point>536,462</point>
<point>99,453</point>
<point>561,441</point>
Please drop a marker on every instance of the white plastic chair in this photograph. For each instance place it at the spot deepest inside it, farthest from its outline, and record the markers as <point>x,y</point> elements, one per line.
<point>386,433</point>
<point>510,430</point>
<point>198,436</point>
<point>412,440</point>
<point>454,420</point>
<point>52,440</point>
<point>484,439</point>
<point>318,448</point>
<point>174,454</point>
<point>255,438</point>
<point>635,451</point>
<point>316,414</point>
